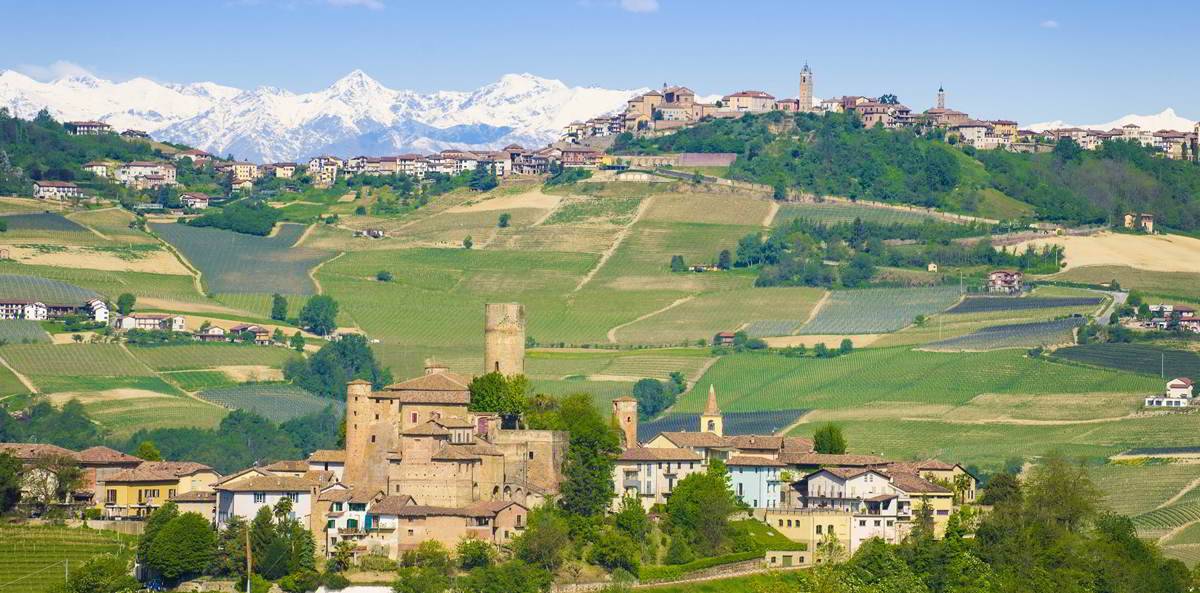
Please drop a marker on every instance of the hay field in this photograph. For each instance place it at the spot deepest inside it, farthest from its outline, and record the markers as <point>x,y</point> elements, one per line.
<point>1157,253</point>
<point>207,356</point>
<point>835,212</point>
<point>126,404</point>
<point>1165,285</point>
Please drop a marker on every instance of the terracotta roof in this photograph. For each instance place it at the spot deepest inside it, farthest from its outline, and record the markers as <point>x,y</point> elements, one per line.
<point>753,94</point>
<point>913,484</point>
<point>236,475</point>
<point>176,468</point>
<point>479,509</point>
<point>328,456</point>
<point>649,454</point>
<point>391,505</point>
<point>142,475</point>
<point>288,466</point>
<point>754,441</point>
<point>100,454</point>
<point>427,429</point>
<point>270,484</point>
<point>336,495</point>
<point>844,473</point>
<point>455,453</point>
<point>1181,381</point>
<point>801,444</point>
<point>28,451</point>
<point>695,439</point>
<point>750,460</point>
<point>433,388</point>
<point>195,496</point>
<point>45,183</point>
<point>830,459</point>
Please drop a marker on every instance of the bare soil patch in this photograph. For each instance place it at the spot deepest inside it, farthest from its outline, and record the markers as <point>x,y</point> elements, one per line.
<point>833,341</point>
<point>155,262</point>
<point>1162,253</point>
<point>251,372</point>
<point>107,395</point>
<point>531,199</point>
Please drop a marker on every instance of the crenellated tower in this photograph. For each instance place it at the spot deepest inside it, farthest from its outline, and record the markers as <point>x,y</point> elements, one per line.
<point>504,338</point>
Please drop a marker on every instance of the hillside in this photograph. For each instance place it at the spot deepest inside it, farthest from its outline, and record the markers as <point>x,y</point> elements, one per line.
<point>835,155</point>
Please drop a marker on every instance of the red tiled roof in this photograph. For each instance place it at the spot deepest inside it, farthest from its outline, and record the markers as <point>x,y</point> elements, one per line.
<point>30,451</point>
<point>650,454</point>
<point>100,454</point>
<point>328,456</point>
<point>750,460</point>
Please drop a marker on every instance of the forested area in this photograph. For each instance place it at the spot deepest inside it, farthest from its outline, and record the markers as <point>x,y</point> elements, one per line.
<point>252,218</point>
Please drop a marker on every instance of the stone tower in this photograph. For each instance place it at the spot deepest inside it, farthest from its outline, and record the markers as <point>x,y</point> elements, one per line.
<point>625,413</point>
<point>504,338</point>
<point>941,98</point>
<point>805,99</point>
<point>711,419</point>
<point>361,428</point>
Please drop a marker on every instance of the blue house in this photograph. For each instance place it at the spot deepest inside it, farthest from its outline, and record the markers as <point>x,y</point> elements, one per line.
<point>755,480</point>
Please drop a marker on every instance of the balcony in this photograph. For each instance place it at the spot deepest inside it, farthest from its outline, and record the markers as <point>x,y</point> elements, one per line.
<point>634,484</point>
<point>344,531</point>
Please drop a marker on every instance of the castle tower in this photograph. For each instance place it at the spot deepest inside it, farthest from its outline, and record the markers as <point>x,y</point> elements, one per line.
<point>504,338</point>
<point>941,101</point>
<point>711,420</point>
<point>805,98</point>
<point>359,427</point>
<point>625,412</point>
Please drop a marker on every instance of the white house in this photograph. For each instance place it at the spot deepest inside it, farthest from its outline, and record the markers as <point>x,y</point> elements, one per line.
<point>98,309</point>
<point>16,309</point>
<point>132,173</point>
<point>56,190</point>
<point>651,474</point>
<point>152,321</point>
<point>245,496</point>
<point>194,200</point>
<point>330,460</point>
<point>1178,394</point>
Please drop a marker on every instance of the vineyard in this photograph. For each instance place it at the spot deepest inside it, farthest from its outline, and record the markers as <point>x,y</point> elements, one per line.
<point>20,331</point>
<point>735,423</point>
<point>835,212</point>
<point>1135,358</point>
<point>45,227</point>
<point>1018,335</point>
<point>1133,489</point>
<point>104,360</point>
<point>35,559</point>
<point>193,381</point>
<point>204,356</point>
<point>705,315</point>
<point>878,310</point>
<point>277,402</point>
<point>34,288</point>
<point>983,304</point>
<point>231,262</point>
<point>765,328</point>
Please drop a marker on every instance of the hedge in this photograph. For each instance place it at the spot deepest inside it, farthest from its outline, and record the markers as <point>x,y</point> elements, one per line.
<point>655,573</point>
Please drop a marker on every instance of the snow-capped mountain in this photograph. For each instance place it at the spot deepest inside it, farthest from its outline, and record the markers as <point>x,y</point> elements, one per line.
<point>355,115</point>
<point>1165,120</point>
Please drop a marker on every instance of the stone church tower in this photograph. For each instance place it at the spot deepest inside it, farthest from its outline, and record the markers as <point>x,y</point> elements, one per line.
<point>504,338</point>
<point>711,419</point>
<point>805,99</point>
<point>941,101</point>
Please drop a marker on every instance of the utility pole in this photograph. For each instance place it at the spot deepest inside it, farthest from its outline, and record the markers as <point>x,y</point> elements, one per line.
<point>248,563</point>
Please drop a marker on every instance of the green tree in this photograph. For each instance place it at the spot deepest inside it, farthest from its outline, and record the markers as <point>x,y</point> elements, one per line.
<point>724,260</point>
<point>328,370</point>
<point>1061,493</point>
<point>279,307</point>
<point>183,548</point>
<point>494,392</point>
<point>231,547</point>
<point>125,303</point>
<point>614,550</point>
<point>679,551</point>
<point>420,580</point>
<point>11,477</point>
<point>677,264</point>
<point>829,439</point>
<point>652,397</point>
<point>101,574</point>
<point>319,314</point>
<point>631,519</point>
<point>699,509</point>
<point>846,347</point>
<point>296,342</point>
<point>278,337</point>
<point>474,553</point>
<point>510,577</point>
<point>428,554</point>
<point>147,451</point>
<point>155,523</point>
<point>383,276</point>
<point>545,540</point>
<point>592,447</point>
<point>468,242</point>
<point>504,220</point>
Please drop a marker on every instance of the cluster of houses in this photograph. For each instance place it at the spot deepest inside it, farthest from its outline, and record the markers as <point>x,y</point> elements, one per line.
<point>1010,282</point>
<point>1172,144</point>
<point>1167,316</point>
<point>41,310</point>
<point>804,494</point>
<point>510,160</point>
<point>419,465</point>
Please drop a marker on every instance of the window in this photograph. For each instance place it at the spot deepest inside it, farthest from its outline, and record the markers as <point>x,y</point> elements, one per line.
<point>890,523</point>
<point>818,530</point>
<point>831,529</point>
<point>531,454</point>
<point>410,532</point>
<point>372,438</point>
<point>414,417</point>
<point>293,496</point>
<point>862,523</point>
<point>337,507</point>
<point>377,416</point>
<point>171,493</point>
<point>329,524</point>
<point>111,497</point>
<point>781,522</point>
<point>358,506</point>
<point>260,497</point>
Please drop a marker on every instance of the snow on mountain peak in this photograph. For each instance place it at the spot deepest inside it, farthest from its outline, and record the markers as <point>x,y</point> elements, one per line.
<point>356,113</point>
<point>1167,119</point>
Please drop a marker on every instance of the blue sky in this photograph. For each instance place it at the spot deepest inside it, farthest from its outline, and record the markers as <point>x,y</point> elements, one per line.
<point>1083,61</point>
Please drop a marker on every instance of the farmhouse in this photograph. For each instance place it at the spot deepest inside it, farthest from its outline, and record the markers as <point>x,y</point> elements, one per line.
<point>152,321</point>
<point>34,310</point>
<point>212,333</point>
<point>137,492</point>
<point>17,309</point>
<point>249,332</point>
<point>56,190</point>
<point>1143,221</point>
<point>194,200</point>
<point>1005,282</point>
<point>97,168</point>
<point>87,128</point>
<point>1178,394</point>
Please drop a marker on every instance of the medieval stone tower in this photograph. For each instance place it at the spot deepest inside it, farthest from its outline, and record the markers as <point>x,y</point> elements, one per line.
<point>806,89</point>
<point>625,413</point>
<point>504,338</point>
<point>941,101</point>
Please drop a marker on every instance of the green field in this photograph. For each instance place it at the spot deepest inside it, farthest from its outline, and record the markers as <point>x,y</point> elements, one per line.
<point>878,310</point>
<point>110,284</point>
<point>193,381</point>
<point>277,402</point>
<point>835,212</point>
<point>48,228</point>
<point>204,356</point>
<point>114,224</point>
<point>47,290</point>
<point>1018,335</point>
<point>37,559</point>
<point>1132,489</point>
<point>20,331</point>
<point>1167,285</point>
<point>124,405</point>
<point>703,316</point>
<point>232,262</point>
<point>104,360</point>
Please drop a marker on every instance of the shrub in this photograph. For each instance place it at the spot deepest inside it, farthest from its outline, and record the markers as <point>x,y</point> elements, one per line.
<point>383,276</point>
<point>377,563</point>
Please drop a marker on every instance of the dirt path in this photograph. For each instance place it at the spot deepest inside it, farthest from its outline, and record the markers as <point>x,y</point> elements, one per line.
<point>1175,531</point>
<point>620,238</point>
<point>1178,495</point>
<point>88,226</point>
<point>196,280</point>
<point>22,378</point>
<point>816,309</point>
<point>612,333</point>
<point>312,274</point>
<point>771,212</point>
<point>307,231</point>
<point>792,426</point>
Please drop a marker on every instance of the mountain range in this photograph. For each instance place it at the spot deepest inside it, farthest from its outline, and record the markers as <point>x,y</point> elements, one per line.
<point>1167,119</point>
<point>355,115</point>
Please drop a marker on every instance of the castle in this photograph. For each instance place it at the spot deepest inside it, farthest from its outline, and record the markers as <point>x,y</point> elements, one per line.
<point>419,438</point>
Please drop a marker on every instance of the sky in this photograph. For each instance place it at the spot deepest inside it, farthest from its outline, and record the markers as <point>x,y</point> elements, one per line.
<point>1086,61</point>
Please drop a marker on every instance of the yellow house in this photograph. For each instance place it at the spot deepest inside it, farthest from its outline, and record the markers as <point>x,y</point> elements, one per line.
<point>811,526</point>
<point>138,492</point>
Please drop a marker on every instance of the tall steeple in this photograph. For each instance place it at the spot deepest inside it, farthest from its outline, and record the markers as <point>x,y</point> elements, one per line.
<point>941,101</point>
<point>805,102</point>
<point>711,420</point>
